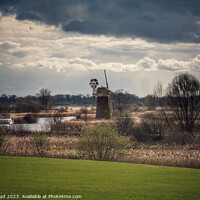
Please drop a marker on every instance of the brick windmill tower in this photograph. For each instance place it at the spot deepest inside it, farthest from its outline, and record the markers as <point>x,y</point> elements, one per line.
<point>103,98</point>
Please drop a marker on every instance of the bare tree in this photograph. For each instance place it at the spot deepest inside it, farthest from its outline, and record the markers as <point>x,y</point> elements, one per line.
<point>161,102</point>
<point>183,96</point>
<point>150,102</point>
<point>44,97</point>
<point>120,102</point>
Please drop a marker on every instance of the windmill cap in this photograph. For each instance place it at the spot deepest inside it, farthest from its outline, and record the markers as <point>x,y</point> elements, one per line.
<point>102,91</point>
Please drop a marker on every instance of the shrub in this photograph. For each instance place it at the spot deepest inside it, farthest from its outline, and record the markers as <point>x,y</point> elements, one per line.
<point>124,124</point>
<point>29,118</point>
<point>20,121</point>
<point>102,143</point>
<point>4,130</point>
<point>63,109</point>
<point>84,111</point>
<point>1,140</point>
<point>41,143</point>
<point>153,125</point>
<point>78,115</point>
<point>177,137</point>
<point>139,134</point>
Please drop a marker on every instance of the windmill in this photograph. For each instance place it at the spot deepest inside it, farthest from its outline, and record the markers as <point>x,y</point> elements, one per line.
<point>102,93</point>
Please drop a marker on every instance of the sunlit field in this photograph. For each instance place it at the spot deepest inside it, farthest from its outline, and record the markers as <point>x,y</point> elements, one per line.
<point>96,180</point>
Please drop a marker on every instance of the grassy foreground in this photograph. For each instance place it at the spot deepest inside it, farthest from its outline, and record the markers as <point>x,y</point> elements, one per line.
<point>96,180</point>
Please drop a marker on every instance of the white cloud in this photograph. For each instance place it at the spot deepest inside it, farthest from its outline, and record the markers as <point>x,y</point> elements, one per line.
<point>40,43</point>
<point>180,66</point>
<point>195,64</point>
<point>87,64</point>
<point>173,65</point>
<point>27,46</point>
<point>147,63</point>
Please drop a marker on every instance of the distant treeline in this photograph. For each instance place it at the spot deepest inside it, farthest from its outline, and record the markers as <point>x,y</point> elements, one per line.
<point>44,101</point>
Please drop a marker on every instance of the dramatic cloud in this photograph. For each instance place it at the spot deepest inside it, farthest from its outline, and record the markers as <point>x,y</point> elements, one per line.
<point>165,21</point>
<point>48,47</point>
<point>36,55</point>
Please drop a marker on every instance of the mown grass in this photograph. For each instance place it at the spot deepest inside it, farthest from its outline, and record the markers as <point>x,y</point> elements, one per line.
<point>97,180</point>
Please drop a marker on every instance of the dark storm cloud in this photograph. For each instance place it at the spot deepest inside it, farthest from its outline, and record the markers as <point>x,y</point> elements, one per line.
<point>28,16</point>
<point>159,20</point>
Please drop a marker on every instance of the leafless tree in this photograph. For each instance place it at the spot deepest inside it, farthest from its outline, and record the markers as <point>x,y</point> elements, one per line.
<point>161,102</point>
<point>150,102</point>
<point>183,96</point>
<point>44,97</point>
<point>120,102</point>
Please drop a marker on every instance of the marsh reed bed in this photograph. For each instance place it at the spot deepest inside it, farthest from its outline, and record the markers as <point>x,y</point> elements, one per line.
<point>175,158</point>
<point>65,147</point>
<point>62,143</point>
<point>61,147</point>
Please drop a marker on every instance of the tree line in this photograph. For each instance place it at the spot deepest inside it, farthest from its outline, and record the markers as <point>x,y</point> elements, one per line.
<point>43,100</point>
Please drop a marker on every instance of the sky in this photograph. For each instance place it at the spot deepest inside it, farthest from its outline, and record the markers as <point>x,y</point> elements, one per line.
<point>62,44</point>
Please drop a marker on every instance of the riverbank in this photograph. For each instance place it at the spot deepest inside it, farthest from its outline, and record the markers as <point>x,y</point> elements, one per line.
<point>58,111</point>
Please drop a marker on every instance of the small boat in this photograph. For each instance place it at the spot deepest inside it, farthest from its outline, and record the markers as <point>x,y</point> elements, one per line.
<point>6,121</point>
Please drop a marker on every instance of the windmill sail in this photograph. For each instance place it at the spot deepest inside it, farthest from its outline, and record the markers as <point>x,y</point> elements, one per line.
<point>106,79</point>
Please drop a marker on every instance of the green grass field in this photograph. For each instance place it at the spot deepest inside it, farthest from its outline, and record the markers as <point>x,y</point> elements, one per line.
<point>97,180</point>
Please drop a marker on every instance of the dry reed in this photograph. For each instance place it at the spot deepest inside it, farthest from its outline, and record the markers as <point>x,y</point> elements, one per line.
<point>65,147</point>
<point>175,158</point>
<point>62,147</point>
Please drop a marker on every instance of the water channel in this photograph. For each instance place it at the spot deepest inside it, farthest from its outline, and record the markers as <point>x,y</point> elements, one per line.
<point>42,124</point>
